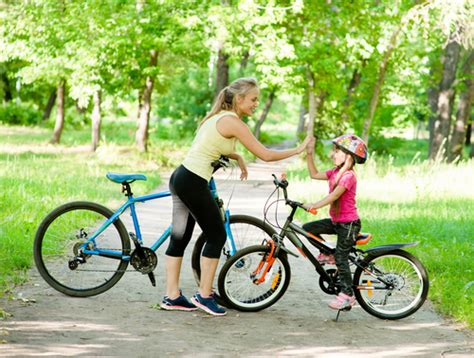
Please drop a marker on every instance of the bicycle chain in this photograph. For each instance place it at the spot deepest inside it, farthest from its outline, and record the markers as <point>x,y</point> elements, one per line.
<point>85,270</point>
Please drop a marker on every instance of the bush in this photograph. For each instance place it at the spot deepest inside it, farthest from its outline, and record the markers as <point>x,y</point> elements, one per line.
<point>22,114</point>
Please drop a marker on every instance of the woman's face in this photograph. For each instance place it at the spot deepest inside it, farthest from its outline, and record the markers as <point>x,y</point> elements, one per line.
<point>247,104</point>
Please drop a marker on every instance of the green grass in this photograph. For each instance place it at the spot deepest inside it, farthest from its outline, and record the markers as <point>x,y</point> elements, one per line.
<point>36,177</point>
<point>424,202</point>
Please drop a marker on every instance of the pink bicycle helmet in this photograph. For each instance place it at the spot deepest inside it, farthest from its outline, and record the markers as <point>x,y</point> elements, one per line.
<point>352,144</point>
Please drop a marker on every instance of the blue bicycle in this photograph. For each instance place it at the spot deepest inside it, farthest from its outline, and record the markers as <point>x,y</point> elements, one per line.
<point>83,248</point>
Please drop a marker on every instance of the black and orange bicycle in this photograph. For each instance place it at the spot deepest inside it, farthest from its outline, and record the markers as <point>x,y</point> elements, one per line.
<point>388,282</point>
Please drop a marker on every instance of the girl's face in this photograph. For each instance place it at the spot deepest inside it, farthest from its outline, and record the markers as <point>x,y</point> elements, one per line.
<point>247,104</point>
<point>338,156</point>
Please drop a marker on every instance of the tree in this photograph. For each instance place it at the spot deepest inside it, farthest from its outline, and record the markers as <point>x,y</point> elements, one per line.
<point>264,114</point>
<point>96,119</point>
<point>446,91</point>
<point>463,113</point>
<point>59,124</point>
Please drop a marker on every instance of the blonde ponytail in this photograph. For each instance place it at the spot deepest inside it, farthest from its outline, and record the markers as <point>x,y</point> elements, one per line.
<point>226,99</point>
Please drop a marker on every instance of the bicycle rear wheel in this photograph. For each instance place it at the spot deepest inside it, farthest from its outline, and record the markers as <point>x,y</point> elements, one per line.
<point>237,279</point>
<point>392,285</point>
<point>57,243</point>
<point>246,230</point>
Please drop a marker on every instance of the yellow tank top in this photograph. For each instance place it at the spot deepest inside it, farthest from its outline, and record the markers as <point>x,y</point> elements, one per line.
<point>208,146</point>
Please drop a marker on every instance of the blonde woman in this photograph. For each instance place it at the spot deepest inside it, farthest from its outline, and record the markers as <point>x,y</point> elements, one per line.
<point>192,200</point>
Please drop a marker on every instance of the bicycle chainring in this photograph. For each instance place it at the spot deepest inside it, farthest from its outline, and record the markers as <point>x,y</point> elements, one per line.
<point>331,288</point>
<point>144,261</point>
<point>78,252</point>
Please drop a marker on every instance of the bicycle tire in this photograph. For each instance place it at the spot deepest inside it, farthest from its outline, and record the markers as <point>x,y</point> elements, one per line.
<point>57,242</point>
<point>404,271</point>
<point>236,279</point>
<point>251,231</point>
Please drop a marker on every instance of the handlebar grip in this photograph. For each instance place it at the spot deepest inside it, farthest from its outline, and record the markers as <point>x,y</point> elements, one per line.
<point>312,210</point>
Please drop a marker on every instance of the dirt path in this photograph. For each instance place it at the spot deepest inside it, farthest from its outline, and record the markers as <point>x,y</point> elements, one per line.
<point>121,321</point>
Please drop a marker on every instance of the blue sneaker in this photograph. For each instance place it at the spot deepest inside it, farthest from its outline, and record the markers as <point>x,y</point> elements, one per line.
<point>208,305</point>
<point>180,303</point>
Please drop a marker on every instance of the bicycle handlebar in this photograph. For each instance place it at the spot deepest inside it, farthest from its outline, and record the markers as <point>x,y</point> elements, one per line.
<point>222,162</point>
<point>283,184</point>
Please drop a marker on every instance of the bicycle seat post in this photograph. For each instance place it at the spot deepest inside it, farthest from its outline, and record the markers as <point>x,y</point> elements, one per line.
<point>127,189</point>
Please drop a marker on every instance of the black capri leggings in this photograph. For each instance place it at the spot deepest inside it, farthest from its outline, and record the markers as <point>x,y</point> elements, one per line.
<point>193,201</point>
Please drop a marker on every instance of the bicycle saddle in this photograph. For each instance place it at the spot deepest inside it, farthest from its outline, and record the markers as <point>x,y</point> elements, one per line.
<point>362,239</point>
<point>124,178</point>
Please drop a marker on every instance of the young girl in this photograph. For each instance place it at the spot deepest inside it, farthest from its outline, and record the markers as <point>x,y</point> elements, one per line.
<point>192,200</point>
<point>344,222</point>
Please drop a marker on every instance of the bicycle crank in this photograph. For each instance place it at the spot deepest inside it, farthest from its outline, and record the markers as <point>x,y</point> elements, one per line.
<point>144,260</point>
<point>330,288</point>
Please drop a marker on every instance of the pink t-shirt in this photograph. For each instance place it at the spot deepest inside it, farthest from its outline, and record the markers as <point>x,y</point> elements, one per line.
<point>347,202</point>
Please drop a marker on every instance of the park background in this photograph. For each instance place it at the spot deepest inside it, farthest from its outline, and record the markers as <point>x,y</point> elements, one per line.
<point>94,86</point>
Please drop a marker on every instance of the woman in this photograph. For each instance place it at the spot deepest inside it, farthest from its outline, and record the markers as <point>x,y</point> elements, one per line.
<point>192,199</point>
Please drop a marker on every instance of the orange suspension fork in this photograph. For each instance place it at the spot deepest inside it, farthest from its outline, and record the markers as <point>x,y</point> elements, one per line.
<point>268,260</point>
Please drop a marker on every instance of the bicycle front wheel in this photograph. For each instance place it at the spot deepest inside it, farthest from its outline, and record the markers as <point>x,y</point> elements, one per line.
<point>246,231</point>
<point>391,285</point>
<point>244,284</point>
<point>58,254</point>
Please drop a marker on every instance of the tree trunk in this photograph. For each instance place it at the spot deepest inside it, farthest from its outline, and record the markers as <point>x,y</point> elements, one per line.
<point>311,104</point>
<point>59,125</point>
<point>355,81</point>
<point>464,111</point>
<point>243,63</point>
<point>263,116</point>
<point>378,84</point>
<point>433,102</point>
<point>442,122</point>
<point>7,92</point>
<point>96,118</point>
<point>303,112</point>
<point>222,72</point>
<point>315,103</point>
<point>49,106</point>
<point>471,154</point>
<point>144,107</point>
<point>467,142</point>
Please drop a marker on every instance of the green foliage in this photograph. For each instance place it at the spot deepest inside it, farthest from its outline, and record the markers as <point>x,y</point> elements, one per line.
<point>20,114</point>
<point>184,104</point>
<point>72,174</point>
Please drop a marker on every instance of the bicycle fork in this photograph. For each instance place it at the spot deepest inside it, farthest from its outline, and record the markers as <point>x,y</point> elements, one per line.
<point>264,266</point>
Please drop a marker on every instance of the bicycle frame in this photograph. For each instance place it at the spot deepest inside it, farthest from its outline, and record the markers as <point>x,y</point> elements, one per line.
<point>130,203</point>
<point>288,230</point>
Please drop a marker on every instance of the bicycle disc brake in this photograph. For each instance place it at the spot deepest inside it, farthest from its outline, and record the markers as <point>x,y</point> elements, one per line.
<point>144,260</point>
<point>331,288</point>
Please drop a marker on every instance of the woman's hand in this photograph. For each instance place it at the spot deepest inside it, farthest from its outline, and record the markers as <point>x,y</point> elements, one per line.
<point>243,168</point>
<point>303,145</point>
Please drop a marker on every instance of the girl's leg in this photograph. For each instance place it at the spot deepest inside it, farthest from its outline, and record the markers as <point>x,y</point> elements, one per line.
<point>318,227</point>
<point>346,235</point>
